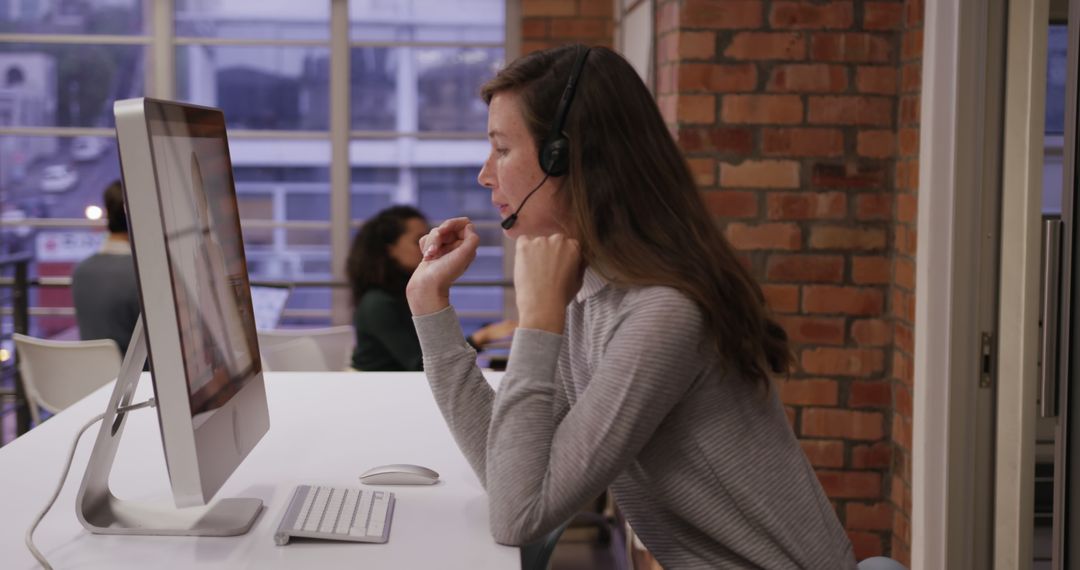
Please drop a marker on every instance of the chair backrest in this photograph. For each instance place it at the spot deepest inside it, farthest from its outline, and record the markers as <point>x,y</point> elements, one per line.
<point>325,350</point>
<point>58,373</point>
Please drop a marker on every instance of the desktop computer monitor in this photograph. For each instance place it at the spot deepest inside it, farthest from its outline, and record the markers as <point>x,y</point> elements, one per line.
<point>196,304</point>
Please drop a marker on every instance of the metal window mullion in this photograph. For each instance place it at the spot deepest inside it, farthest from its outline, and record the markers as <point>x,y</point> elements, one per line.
<point>56,131</point>
<point>422,44</point>
<point>161,82</point>
<point>82,39</point>
<point>249,42</point>
<point>340,123</point>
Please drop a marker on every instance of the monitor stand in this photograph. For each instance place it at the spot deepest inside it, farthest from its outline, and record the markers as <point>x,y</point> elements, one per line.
<point>102,513</point>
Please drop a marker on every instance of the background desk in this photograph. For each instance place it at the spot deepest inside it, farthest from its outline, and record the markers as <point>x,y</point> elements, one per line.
<point>325,428</point>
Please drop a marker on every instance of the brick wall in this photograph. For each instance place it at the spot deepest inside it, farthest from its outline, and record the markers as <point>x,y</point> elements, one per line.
<point>791,114</point>
<point>903,282</point>
<point>551,23</point>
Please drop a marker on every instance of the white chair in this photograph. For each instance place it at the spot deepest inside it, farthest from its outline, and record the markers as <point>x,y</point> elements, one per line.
<point>307,350</point>
<point>58,373</point>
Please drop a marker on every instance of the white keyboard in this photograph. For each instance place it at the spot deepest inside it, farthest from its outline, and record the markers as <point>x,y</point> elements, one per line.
<point>337,513</point>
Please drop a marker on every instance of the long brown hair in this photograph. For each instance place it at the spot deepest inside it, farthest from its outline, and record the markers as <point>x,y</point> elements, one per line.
<point>633,203</point>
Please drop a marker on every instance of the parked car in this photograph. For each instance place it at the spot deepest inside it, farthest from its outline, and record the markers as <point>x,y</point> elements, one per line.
<point>58,178</point>
<point>84,149</point>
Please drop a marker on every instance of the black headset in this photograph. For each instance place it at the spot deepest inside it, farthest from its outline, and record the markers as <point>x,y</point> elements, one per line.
<point>555,152</point>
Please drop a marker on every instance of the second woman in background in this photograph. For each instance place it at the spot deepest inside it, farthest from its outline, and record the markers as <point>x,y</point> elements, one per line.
<point>384,254</point>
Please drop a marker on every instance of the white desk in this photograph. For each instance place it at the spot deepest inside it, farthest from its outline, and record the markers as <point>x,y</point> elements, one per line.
<point>325,428</point>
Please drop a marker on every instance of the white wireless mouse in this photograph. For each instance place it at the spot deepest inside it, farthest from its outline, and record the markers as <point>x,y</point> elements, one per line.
<point>399,474</point>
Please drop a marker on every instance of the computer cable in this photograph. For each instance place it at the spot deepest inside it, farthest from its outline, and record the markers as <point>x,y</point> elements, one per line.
<point>67,467</point>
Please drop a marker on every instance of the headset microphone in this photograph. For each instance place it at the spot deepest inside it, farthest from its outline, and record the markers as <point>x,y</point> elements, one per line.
<point>512,218</point>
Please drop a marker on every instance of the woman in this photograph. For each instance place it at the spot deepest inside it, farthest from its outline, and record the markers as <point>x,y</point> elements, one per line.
<point>384,254</point>
<point>644,353</point>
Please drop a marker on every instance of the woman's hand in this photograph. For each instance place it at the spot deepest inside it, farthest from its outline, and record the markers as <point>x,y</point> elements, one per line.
<point>448,251</point>
<point>547,275</point>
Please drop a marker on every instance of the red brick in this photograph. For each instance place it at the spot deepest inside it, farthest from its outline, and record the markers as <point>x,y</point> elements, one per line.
<point>851,110</point>
<point>909,110</point>
<point>804,15</point>
<point>850,484</point>
<point>697,45</point>
<point>902,368</point>
<point>905,339</point>
<point>861,362</point>
<point>874,456</point>
<point>764,236</point>
<point>667,48</point>
<point>904,273</point>
<point>909,141</point>
<point>724,140</point>
<point>595,8</point>
<point>730,14</point>
<point>808,77</point>
<point>802,142</point>
<point>781,298</point>
<point>700,109</point>
<point>851,47</point>
<point>762,109</point>
<point>902,401</point>
<point>882,15</point>
<point>912,47</point>
<point>876,79</point>
<point>871,332</point>
<point>911,77</point>
<point>806,205</point>
<point>813,330</point>
<point>548,7</point>
<point>760,174</point>
<point>876,143</point>
<point>847,424</point>
<point>534,28</point>
<point>828,299</point>
<point>876,516</point>
<point>580,28</point>
<point>901,431</point>
<point>767,46</point>
<point>865,544</point>
<point>717,78</point>
<point>667,17</point>
<point>808,392</point>
<point>802,268</point>
<point>871,270</point>
<point>913,15</point>
<point>876,394</point>
<point>823,453</point>
<point>838,237</point>
<point>907,208</point>
<point>873,207</point>
<point>726,204</point>
<point>669,105</point>
<point>531,46</point>
<point>849,176</point>
<point>703,169</point>
<point>666,78</point>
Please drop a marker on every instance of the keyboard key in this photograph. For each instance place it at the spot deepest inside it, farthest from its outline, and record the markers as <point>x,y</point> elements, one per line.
<point>378,513</point>
<point>359,526</point>
<point>311,524</point>
<point>333,509</point>
<point>348,511</point>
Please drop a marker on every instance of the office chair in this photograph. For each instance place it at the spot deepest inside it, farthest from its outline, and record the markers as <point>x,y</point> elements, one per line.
<point>59,373</point>
<point>537,555</point>
<point>307,350</point>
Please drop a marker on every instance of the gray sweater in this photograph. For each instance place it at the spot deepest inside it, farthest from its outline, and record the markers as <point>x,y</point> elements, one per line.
<point>702,463</point>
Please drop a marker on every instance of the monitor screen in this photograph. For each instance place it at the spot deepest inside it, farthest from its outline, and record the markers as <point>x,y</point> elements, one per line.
<point>206,261</point>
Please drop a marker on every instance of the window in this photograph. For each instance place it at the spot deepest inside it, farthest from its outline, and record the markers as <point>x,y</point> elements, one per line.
<point>416,125</point>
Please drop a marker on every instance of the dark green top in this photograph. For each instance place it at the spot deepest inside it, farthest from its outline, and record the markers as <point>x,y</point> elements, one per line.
<point>385,336</point>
